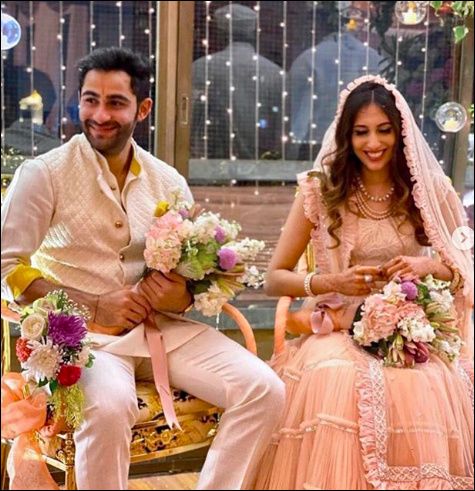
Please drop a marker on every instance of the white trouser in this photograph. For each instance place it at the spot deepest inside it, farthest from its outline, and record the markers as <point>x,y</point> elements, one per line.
<point>211,367</point>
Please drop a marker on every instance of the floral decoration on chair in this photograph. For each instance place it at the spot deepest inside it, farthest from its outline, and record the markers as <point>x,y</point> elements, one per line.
<point>53,352</point>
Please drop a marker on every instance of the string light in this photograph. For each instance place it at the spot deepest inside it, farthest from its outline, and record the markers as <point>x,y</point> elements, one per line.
<point>367,21</point>
<point>284,69</point>
<point>2,96</point>
<point>30,70</point>
<point>62,68</point>
<point>121,34</point>
<point>311,80</point>
<point>424,76</point>
<point>231,86</point>
<point>339,82</point>
<point>397,63</point>
<point>149,33</point>
<point>257,9</point>
<point>92,26</point>
<point>207,82</point>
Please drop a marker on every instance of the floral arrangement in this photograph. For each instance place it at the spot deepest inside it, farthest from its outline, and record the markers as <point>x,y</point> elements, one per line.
<point>408,321</point>
<point>53,351</point>
<point>204,249</point>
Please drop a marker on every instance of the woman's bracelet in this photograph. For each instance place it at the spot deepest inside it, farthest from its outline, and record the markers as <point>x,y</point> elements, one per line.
<point>307,284</point>
<point>457,280</point>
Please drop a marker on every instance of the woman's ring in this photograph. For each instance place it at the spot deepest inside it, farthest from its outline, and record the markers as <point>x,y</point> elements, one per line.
<point>368,278</point>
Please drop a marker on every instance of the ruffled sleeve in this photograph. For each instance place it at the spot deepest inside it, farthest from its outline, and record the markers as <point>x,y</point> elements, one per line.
<point>309,186</point>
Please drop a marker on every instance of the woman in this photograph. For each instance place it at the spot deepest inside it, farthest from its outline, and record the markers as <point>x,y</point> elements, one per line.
<point>380,201</point>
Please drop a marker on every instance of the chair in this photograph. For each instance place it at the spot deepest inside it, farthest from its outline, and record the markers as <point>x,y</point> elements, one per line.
<point>151,437</point>
<point>283,315</point>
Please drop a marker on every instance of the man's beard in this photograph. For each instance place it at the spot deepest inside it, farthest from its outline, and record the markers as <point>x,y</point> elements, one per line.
<point>108,145</point>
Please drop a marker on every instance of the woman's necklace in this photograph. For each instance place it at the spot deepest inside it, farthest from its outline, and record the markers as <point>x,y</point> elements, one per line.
<point>367,211</point>
<point>376,199</point>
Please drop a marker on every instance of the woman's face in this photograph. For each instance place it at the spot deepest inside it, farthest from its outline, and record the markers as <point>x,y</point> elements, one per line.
<point>373,138</point>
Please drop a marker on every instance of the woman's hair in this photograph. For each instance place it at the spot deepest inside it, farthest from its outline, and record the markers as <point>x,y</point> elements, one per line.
<point>344,165</point>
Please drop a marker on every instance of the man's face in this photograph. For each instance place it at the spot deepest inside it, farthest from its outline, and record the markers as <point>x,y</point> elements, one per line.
<point>108,110</point>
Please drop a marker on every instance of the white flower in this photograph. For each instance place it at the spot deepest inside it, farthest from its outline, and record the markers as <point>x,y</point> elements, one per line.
<point>231,229</point>
<point>416,330</point>
<point>358,331</point>
<point>83,357</point>
<point>247,249</point>
<point>435,284</point>
<point>43,361</point>
<point>43,305</point>
<point>32,327</point>
<point>392,292</point>
<point>252,277</point>
<point>211,302</point>
<point>186,230</point>
<point>205,227</point>
<point>443,298</point>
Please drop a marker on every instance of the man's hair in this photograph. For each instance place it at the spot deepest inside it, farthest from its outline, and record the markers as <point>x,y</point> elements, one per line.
<point>119,59</point>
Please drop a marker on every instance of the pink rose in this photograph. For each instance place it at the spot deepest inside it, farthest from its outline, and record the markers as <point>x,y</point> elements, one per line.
<point>409,309</point>
<point>379,319</point>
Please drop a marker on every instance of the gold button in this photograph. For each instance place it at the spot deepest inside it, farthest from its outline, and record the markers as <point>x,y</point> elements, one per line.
<point>121,257</point>
<point>118,224</point>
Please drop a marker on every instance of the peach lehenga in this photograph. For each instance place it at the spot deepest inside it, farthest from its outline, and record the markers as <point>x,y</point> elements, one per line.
<point>351,423</point>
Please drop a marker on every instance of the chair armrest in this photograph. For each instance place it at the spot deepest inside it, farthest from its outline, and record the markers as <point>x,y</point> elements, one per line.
<point>281,315</point>
<point>243,325</point>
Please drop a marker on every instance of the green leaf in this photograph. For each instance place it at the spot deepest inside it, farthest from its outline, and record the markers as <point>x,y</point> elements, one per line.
<point>436,5</point>
<point>460,32</point>
<point>53,385</point>
<point>457,7</point>
<point>42,382</point>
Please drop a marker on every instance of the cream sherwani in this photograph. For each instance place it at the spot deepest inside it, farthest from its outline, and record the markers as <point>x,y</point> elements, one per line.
<point>65,215</point>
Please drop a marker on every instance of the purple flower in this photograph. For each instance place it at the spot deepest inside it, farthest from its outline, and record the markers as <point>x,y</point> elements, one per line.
<point>184,213</point>
<point>409,289</point>
<point>67,330</point>
<point>219,234</point>
<point>227,258</point>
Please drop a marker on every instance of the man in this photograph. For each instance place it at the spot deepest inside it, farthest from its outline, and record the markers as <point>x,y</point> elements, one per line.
<point>75,218</point>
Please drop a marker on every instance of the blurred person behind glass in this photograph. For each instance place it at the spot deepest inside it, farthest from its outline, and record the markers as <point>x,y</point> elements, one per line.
<point>244,62</point>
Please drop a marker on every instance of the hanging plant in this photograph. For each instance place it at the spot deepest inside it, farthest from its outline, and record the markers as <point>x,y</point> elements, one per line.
<point>459,9</point>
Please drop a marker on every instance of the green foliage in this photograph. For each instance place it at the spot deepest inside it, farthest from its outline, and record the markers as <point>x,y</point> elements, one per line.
<point>462,10</point>
<point>68,403</point>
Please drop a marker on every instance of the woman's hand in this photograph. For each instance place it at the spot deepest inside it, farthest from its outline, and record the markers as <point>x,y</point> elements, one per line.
<point>358,280</point>
<point>409,267</point>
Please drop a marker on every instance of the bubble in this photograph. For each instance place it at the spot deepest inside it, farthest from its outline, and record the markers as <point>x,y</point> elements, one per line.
<point>451,117</point>
<point>11,32</point>
<point>411,13</point>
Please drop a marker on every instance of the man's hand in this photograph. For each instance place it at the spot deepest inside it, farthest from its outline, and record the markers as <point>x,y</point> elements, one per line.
<point>165,291</point>
<point>121,309</point>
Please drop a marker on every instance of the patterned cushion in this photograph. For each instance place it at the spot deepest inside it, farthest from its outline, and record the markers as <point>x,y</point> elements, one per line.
<point>150,407</point>
<point>198,419</point>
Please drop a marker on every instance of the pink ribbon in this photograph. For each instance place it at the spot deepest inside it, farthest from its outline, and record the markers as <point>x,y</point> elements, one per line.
<point>320,321</point>
<point>158,356</point>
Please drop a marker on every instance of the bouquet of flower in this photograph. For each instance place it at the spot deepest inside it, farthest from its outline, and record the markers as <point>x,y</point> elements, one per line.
<point>53,352</point>
<point>204,249</point>
<point>407,321</point>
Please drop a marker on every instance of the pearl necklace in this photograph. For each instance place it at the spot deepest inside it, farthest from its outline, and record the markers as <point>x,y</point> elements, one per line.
<point>376,199</point>
<point>367,211</point>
